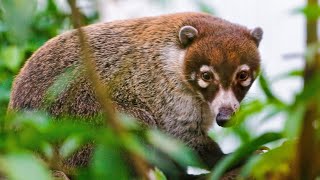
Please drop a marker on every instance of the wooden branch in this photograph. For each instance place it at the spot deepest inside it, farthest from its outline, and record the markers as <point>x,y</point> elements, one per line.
<point>307,152</point>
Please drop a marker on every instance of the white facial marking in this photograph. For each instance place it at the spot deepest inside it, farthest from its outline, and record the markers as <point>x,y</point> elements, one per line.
<point>224,98</point>
<point>202,83</point>
<point>243,67</point>
<point>205,68</point>
<point>247,82</point>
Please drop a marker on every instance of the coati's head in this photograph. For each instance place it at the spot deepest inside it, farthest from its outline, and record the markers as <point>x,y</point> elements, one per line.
<point>220,65</point>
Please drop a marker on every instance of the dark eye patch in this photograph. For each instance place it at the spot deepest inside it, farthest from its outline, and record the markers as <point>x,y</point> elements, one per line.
<point>243,75</point>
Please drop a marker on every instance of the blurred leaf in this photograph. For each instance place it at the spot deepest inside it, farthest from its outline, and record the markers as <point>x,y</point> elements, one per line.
<point>12,57</point>
<point>275,161</point>
<point>294,121</point>
<point>243,151</point>
<point>38,120</point>
<point>5,93</point>
<point>69,146</point>
<point>58,131</point>
<point>128,121</point>
<point>248,109</point>
<point>3,27</point>
<point>62,82</point>
<point>242,132</point>
<point>310,91</point>
<point>158,174</point>
<point>108,160</point>
<point>22,166</point>
<point>290,74</point>
<point>264,84</point>
<point>17,15</point>
<point>204,7</point>
<point>176,150</point>
<point>132,143</point>
<point>47,150</point>
<point>311,12</point>
<point>247,168</point>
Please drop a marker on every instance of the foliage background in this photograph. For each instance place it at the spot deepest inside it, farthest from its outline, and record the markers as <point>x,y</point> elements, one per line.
<point>26,25</point>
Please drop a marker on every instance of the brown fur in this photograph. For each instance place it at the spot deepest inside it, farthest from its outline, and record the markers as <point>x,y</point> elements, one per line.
<point>131,59</point>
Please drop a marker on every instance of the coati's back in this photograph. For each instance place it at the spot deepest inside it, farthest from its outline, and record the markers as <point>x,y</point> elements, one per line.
<point>129,50</point>
<point>176,72</point>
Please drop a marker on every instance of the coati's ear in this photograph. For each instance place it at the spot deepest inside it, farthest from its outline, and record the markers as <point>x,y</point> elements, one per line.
<point>257,34</point>
<point>187,34</point>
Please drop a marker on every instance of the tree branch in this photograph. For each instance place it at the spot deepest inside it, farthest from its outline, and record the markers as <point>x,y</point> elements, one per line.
<point>107,107</point>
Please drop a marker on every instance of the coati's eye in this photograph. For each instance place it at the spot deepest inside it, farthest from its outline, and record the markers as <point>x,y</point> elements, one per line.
<point>206,76</point>
<point>243,75</point>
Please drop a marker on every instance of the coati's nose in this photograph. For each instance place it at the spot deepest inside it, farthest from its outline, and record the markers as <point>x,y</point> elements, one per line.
<point>224,115</point>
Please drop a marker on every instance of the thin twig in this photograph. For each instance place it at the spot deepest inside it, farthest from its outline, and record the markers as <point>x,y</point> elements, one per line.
<point>89,64</point>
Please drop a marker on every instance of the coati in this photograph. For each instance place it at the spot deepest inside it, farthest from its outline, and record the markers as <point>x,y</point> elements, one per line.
<point>176,72</point>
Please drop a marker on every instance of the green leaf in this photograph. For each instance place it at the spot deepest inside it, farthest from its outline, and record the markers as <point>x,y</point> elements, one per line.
<point>264,84</point>
<point>70,145</point>
<point>175,149</point>
<point>38,120</point>
<point>3,27</point>
<point>310,91</point>
<point>244,151</point>
<point>17,16</point>
<point>4,93</point>
<point>128,121</point>
<point>47,150</point>
<point>276,161</point>
<point>290,74</point>
<point>248,109</point>
<point>294,120</point>
<point>12,57</point>
<point>158,174</point>
<point>108,163</point>
<point>61,84</point>
<point>247,168</point>
<point>204,7</point>
<point>22,166</point>
<point>242,132</point>
<point>312,12</point>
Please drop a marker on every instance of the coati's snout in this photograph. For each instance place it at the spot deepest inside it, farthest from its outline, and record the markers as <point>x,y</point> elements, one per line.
<point>224,106</point>
<point>224,115</point>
